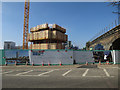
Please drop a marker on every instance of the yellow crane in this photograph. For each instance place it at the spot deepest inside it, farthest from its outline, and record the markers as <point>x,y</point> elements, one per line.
<point>26,24</point>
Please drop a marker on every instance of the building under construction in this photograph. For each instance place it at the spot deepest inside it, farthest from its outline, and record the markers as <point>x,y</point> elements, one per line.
<point>45,37</point>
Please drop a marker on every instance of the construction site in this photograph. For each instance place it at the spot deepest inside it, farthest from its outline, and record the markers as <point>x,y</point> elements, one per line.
<point>45,44</point>
<point>43,61</point>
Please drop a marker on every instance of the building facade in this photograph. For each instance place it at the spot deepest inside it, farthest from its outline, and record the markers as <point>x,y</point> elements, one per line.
<point>9,45</point>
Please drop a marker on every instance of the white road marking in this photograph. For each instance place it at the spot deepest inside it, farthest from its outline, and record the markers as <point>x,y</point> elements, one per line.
<point>45,72</point>
<point>108,67</point>
<point>24,72</point>
<point>115,67</point>
<point>85,73</point>
<point>29,75</point>
<point>66,72</point>
<point>107,74</point>
<point>100,76</point>
<point>88,76</point>
<point>6,72</point>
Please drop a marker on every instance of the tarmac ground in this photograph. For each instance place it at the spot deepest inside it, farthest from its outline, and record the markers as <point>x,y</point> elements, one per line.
<point>71,76</point>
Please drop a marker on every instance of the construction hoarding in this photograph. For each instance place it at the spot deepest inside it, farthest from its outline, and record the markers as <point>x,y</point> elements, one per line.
<point>57,56</point>
<point>51,57</point>
<point>83,56</point>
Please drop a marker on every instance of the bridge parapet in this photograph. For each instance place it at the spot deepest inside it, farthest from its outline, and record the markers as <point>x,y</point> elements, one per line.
<point>107,38</point>
<point>110,32</point>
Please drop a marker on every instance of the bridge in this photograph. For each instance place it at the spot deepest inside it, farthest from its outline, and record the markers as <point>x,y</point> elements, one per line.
<point>109,40</point>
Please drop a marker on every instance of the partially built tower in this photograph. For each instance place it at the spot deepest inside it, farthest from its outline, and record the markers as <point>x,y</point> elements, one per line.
<point>46,37</point>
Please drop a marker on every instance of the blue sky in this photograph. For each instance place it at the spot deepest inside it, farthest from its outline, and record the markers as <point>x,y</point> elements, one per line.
<point>82,20</point>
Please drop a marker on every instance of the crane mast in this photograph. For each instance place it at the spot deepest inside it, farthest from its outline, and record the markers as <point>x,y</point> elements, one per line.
<point>26,24</point>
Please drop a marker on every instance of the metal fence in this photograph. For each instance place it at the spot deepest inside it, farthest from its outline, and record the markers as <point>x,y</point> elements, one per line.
<point>57,57</point>
<point>83,56</point>
<point>2,57</point>
<point>51,57</point>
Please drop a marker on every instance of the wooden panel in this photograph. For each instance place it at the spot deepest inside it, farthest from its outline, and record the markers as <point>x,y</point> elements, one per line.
<point>43,26</point>
<point>33,29</point>
<point>47,46</point>
<point>55,26</point>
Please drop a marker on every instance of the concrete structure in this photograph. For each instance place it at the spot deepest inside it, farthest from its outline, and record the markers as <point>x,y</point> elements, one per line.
<point>9,45</point>
<point>110,40</point>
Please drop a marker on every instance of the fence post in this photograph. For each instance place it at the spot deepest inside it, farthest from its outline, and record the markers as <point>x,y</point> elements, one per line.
<point>26,63</point>
<point>48,63</point>
<point>32,64</point>
<point>5,63</point>
<point>15,63</point>
<point>114,56</point>
<point>60,63</point>
<point>86,63</point>
<point>42,63</point>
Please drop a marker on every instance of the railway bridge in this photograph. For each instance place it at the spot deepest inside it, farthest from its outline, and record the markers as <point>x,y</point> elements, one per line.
<point>109,40</point>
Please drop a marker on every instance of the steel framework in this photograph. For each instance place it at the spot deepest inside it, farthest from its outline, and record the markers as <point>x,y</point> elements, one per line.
<point>26,24</point>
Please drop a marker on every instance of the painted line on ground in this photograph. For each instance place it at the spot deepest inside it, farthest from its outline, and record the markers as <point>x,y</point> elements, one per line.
<point>107,74</point>
<point>46,72</point>
<point>89,76</point>
<point>24,72</point>
<point>100,76</point>
<point>85,73</point>
<point>66,72</point>
<point>114,67</point>
<point>29,75</point>
<point>6,72</point>
<point>108,67</point>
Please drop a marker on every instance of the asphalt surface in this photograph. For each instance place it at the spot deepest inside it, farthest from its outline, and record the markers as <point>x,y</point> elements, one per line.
<point>60,76</point>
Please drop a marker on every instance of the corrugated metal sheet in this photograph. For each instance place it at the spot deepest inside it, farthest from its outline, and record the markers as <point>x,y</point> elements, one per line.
<point>55,56</point>
<point>83,56</point>
<point>52,57</point>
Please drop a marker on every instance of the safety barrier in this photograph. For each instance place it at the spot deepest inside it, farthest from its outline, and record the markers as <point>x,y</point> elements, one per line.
<point>85,63</point>
<point>53,57</point>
